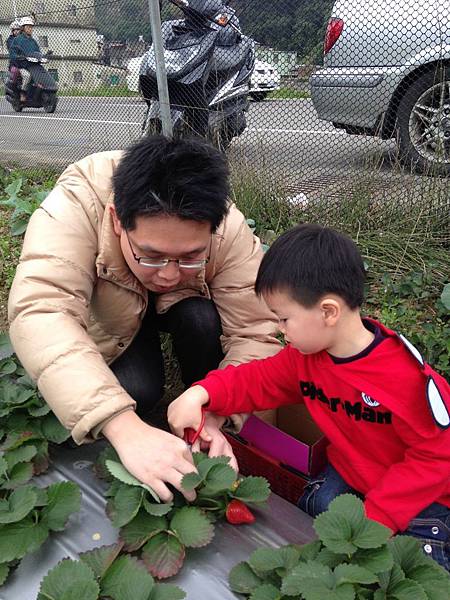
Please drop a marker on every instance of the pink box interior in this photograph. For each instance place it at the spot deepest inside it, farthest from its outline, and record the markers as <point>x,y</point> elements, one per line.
<point>284,447</point>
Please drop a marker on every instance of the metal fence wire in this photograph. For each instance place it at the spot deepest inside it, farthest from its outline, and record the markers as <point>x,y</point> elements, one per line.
<point>314,91</point>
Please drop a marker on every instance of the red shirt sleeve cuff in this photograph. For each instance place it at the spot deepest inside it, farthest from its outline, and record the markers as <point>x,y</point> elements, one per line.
<point>217,395</point>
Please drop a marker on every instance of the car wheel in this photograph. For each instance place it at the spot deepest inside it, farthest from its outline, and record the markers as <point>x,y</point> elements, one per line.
<point>423,123</point>
<point>17,106</point>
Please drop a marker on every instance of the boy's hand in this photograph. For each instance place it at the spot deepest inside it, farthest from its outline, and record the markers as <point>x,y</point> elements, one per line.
<point>185,412</point>
<point>219,445</point>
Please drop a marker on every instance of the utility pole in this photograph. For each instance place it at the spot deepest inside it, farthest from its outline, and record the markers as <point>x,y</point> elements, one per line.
<point>161,76</point>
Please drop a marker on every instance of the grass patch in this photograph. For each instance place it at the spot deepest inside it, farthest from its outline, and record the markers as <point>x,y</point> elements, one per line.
<point>288,94</point>
<point>101,91</point>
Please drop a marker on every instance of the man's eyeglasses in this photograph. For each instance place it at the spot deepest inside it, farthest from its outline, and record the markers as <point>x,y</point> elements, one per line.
<point>160,263</point>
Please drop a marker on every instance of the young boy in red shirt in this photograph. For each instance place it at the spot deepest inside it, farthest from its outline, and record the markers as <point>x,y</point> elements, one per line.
<point>383,409</point>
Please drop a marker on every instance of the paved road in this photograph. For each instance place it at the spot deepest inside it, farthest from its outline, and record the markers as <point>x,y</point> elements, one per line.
<point>284,135</point>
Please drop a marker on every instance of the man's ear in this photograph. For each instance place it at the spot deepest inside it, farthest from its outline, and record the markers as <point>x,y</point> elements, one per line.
<point>116,222</point>
<point>331,310</point>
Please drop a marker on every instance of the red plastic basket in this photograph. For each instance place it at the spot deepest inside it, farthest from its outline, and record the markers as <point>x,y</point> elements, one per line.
<point>284,482</point>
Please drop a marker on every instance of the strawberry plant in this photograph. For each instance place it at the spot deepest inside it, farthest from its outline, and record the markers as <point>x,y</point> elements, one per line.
<point>161,533</point>
<point>353,559</point>
<point>28,513</point>
<point>103,574</point>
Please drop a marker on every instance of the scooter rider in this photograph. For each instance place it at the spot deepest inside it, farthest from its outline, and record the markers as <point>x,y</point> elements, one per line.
<point>22,46</point>
<point>13,66</point>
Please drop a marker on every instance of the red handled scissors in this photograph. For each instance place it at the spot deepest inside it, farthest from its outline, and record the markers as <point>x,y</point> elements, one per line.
<point>190,435</point>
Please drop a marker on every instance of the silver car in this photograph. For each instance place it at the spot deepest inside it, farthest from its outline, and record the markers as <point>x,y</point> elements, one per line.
<point>387,73</point>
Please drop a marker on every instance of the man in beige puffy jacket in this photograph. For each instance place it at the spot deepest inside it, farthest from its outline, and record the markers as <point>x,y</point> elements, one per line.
<point>129,244</point>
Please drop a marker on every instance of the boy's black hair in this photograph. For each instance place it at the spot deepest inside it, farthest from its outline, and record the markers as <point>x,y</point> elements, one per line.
<point>187,178</point>
<point>309,261</point>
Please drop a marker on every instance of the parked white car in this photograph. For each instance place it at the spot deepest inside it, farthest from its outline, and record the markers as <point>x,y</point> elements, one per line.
<point>265,79</point>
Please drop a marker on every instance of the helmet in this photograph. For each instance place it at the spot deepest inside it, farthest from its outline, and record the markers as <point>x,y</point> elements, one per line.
<point>26,21</point>
<point>15,24</point>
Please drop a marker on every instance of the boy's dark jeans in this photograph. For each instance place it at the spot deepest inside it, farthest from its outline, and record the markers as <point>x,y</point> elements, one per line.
<point>431,526</point>
<point>195,327</point>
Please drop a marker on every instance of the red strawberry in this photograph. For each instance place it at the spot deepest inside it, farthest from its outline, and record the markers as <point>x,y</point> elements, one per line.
<point>238,513</point>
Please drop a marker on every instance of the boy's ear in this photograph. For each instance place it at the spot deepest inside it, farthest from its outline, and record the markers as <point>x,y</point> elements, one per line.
<point>331,310</point>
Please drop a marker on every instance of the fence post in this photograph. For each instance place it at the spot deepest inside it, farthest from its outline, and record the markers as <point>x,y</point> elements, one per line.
<point>163,92</point>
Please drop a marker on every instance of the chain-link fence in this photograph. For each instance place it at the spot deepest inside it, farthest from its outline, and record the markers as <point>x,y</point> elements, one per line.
<point>316,91</point>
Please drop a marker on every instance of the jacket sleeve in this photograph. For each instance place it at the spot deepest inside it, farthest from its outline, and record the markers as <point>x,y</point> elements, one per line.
<point>249,327</point>
<point>258,385</point>
<point>417,481</point>
<point>15,51</point>
<point>49,309</point>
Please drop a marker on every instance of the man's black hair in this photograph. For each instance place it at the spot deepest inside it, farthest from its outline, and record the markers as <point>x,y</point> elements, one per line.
<point>309,261</point>
<point>187,178</point>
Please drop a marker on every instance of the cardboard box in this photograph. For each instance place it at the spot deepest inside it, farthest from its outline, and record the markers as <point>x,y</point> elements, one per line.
<point>296,442</point>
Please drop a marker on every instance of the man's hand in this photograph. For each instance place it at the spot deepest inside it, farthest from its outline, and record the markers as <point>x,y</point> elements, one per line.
<point>219,445</point>
<point>185,412</point>
<point>154,456</point>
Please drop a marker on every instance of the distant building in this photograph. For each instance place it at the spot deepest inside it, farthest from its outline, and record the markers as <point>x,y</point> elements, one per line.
<point>69,30</point>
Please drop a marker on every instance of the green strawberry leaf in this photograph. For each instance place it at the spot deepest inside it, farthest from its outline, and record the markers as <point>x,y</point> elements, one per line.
<point>18,539</point>
<point>157,510</point>
<point>127,503</point>
<point>3,467</point>
<point>4,572</point>
<point>163,555</point>
<point>335,532</point>
<point>7,366</point>
<point>14,439</point>
<point>370,534</point>
<point>100,559</point>
<point>127,578</point>
<point>166,591</point>
<point>374,559</point>
<point>191,481</point>
<point>264,560</point>
<point>207,464</point>
<point>23,454</point>
<point>407,553</point>
<point>118,471</point>
<point>69,580</point>
<point>64,498</point>
<point>53,430</point>
<point>6,349</point>
<point>39,411</point>
<point>350,506</point>
<point>192,526</point>
<point>310,551</point>
<point>20,504</point>
<point>406,590</point>
<point>433,579</point>
<point>353,574</point>
<point>243,580</point>
<point>219,479</point>
<point>252,490</point>
<point>301,576</point>
<point>138,531</point>
<point>19,474</point>
<point>267,591</point>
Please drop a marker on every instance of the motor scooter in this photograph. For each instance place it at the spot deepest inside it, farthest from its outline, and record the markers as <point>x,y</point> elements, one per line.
<point>40,92</point>
<point>209,63</point>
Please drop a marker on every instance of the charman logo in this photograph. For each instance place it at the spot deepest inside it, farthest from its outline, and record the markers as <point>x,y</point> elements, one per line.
<point>355,411</point>
<point>368,400</point>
